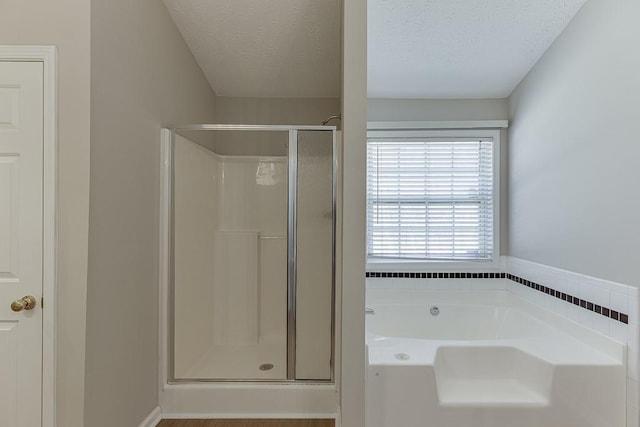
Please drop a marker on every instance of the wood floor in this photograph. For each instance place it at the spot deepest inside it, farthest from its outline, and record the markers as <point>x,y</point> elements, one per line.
<point>247,423</point>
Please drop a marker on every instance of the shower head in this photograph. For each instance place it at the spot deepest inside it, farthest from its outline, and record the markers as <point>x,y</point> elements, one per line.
<point>337,116</point>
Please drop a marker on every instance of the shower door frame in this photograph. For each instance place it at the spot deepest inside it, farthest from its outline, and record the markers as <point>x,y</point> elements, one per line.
<point>167,249</point>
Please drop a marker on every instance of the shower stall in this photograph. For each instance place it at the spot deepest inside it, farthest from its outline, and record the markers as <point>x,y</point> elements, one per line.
<point>250,253</point>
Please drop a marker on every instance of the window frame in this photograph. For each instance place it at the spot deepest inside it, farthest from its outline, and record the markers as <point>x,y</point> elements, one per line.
<point>400,265</point>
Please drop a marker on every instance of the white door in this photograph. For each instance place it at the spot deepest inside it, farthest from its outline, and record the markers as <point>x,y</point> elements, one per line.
<point>21,240</point>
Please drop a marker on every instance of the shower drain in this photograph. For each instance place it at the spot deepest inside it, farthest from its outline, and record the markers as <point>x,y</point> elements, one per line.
<point>266,367</point>
<point>402,356</point>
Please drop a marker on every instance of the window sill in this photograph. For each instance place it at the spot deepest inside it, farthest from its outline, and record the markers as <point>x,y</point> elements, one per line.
<point>433,266</point>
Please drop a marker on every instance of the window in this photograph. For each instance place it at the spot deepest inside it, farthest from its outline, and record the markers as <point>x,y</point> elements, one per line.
<point>431,196</point>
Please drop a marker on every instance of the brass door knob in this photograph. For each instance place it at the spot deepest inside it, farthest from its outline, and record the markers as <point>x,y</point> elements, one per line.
<point>26,303</point>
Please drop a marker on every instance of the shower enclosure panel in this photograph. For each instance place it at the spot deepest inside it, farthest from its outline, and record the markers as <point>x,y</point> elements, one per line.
<point>315,254</point>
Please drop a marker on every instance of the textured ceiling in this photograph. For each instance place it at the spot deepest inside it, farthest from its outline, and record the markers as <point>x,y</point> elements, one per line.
<point>459,48</point>
<point>277,48</point>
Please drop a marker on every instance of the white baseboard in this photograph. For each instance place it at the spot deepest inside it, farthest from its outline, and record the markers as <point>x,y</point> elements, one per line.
<point>153,419</point>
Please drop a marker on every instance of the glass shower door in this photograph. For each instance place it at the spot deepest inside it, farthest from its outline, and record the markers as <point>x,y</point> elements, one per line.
<point>230,256</point>
<point>315,254</point>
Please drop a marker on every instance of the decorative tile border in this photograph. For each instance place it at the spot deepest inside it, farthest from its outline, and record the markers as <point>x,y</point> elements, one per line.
<point>588,305</point>
<point>403,275</point>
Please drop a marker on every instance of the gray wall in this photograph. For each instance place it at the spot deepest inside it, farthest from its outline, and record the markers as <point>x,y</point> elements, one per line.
<point>65,23</point>
<point>385,110</point>
<point>143,76</point>
<point>351,369</point>
<point>436,109</point>
<point>276,111</point>
<point>574,148</point>
<point>265,111</point>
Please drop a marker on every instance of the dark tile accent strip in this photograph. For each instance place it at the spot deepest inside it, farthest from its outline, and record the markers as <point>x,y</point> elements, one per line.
<point>408,275</point>
<point>587,305</point>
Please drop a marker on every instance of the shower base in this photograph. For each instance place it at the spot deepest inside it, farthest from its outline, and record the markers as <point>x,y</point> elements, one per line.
<point>240,362</point>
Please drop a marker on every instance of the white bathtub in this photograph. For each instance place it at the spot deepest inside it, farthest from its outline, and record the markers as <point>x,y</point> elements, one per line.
<point>487,359</point>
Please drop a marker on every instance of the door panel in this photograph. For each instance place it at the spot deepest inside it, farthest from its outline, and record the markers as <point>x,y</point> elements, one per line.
<point>9,107</point>
<point>8,372</point>
<point>21,210</point>
<point>8,218</point>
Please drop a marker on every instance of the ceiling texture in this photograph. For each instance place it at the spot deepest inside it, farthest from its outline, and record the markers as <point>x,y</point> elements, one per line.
<point>277,48</point>
<point>459,48</point>
<point>416,48</point>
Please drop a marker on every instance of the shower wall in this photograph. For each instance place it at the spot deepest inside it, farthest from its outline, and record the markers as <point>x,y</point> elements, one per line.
<point>230,219</point>
<point>196,221</point>
<point>251,288</point>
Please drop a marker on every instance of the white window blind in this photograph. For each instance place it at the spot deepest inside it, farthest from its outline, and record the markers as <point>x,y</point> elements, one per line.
<point>430,199</point>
